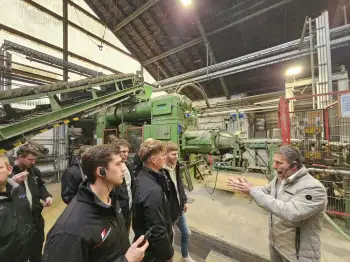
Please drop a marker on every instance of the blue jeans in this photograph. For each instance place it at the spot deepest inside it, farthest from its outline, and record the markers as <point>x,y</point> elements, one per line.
<point>185,234</point>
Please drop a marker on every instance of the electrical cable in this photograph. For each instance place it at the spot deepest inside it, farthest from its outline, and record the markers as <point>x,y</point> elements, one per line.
<point>206,187</point>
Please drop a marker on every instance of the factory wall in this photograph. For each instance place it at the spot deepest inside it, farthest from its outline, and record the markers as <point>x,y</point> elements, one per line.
<point>23,17</point>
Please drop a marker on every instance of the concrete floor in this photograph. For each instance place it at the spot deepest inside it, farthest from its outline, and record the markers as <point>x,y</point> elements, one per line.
<point>240,222</point>
<point>53,212</point>
<point>229,217</point>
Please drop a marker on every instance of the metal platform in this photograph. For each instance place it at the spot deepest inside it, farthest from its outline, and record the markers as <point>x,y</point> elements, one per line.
<point>214,256</point>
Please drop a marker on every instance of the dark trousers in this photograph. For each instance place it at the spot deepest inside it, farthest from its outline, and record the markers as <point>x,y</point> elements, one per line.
<point>36,245</point>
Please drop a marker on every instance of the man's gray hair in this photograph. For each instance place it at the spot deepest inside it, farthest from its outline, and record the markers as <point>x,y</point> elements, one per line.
<point>292,154</point>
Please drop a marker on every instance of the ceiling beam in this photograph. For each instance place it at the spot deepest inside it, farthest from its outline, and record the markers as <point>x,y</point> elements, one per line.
<point>134,15</point>
<point>200,40</point>
<point>210,51</point>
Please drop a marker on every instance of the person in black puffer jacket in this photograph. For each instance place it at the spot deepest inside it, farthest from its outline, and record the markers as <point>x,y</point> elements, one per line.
<point>72,177</point>
<point>16,223</point>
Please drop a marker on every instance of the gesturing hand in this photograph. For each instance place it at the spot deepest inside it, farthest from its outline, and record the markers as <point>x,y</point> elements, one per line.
<point>135,253</point>
<point>241,184</point>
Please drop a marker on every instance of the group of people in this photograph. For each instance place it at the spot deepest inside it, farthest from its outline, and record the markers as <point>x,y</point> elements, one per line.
<point>23,196</point>
<point>106,196</point>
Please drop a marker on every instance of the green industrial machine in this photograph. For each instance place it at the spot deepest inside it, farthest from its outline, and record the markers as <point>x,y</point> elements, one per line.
<point>167,118</point>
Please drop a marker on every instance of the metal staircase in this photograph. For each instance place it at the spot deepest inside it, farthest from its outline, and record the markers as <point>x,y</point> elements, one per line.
<point>99,93</point>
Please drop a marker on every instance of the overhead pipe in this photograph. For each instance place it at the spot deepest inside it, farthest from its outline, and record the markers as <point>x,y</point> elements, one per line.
<point>241,99</point>
<point>329,171</point>
<point>283,48</point>
<point>270,108</point>
<point>256,64</point>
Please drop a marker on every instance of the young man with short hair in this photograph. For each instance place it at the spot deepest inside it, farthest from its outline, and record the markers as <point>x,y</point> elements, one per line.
<point>173,167</point>
<point>15,217</point>
<point>123,194</point>
<point>72,177</point>
<point>151,203</point>
<point>30,179</point>
<point>91,229</point>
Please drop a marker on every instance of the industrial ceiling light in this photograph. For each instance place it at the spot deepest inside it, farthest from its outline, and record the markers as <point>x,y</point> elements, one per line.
<point>186,2</point>
<point>293,71</point>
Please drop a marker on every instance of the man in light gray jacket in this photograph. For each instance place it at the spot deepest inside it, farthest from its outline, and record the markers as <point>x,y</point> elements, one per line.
<point>296,202</point>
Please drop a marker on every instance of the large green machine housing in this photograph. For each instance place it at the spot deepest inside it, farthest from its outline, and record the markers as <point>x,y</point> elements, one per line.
<point>168,117</point>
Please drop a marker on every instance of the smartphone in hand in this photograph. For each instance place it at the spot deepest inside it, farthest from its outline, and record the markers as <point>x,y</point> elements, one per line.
<point>146,236</point>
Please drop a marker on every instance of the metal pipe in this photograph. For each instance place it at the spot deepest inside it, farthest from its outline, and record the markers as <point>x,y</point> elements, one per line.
<point>65,40</point>
<point>255,64</point>
<point>329,171</point>
<point>312,62</point>
<point>289,46</point>
<point>199,89</point>
<point>240,110</point>
<point>328,53</point>
<point>335,226</point>
<point>238,100</point>
<point>345,15</point>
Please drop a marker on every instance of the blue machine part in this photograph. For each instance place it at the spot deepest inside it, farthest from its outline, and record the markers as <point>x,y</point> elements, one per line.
<point>179,128</point>
<point>234,116</point>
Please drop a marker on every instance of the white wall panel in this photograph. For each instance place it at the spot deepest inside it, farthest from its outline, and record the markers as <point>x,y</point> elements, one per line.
<point>40,25</point>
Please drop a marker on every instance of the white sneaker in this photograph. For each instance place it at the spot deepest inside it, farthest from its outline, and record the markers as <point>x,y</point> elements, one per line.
<point>188,259</point>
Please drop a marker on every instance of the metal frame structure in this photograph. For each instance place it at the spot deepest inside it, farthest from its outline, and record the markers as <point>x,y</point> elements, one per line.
<point>54,47</point>
<point>18,128</point>
<point>200,40</point>
<point>287,51</point>
<point>34,54</point>
<point>210,54</point>
<point>137,13</point>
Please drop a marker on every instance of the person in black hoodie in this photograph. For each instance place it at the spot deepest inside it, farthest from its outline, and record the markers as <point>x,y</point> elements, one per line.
<point>30,179</point>
<point>91,229</point>
<point>72,177</point>
<point>15,217</point>
<point>123,193</point>
<point>151,203</point>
